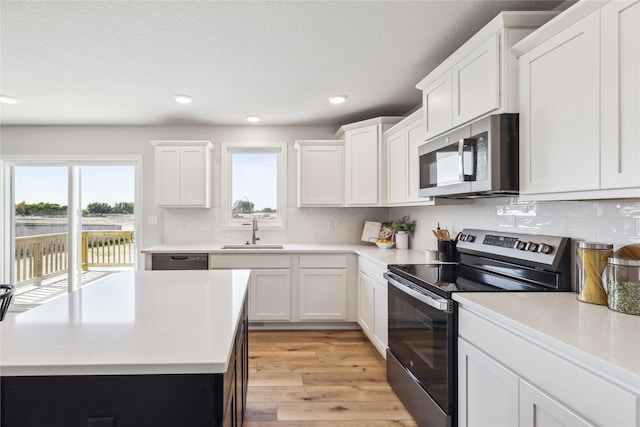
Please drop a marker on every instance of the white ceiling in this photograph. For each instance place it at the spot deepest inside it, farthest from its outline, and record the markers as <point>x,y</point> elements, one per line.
<point>121,62</point>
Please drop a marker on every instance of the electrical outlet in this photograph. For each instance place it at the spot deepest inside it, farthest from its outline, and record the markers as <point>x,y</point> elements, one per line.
<point>152,220</point>
<point>331,225</point>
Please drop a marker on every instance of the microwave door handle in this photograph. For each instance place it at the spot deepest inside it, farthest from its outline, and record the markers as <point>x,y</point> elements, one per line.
<point>461,160</point>
<point>461,146</point>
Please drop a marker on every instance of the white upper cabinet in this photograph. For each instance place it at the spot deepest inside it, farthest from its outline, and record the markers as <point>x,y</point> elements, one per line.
<point>403,177</point>
<point>559,130</point>
<point>365,162</point>
<point>579,104</point>
<point>183,173</point>
<point>320,173</point>
<point>476,80</point>
<point>620,121</point>
<point>437,102</point>
<point>479,78</point>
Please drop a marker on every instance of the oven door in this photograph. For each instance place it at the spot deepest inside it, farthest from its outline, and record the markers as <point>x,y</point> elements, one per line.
<point>422,338</point>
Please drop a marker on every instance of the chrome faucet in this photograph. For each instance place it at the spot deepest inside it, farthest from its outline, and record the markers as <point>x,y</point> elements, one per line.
<point>255,228</point>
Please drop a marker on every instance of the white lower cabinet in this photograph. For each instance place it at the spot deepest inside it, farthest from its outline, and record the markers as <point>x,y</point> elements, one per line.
<point>270,295</point>
<point>270,285</point>
<point>285,289</point>
<point>508,379</point>
<point>488,391</point>
<point>323,288</point>
<point>323,294</point>
<point>372,303</point>
<point>538,409</point>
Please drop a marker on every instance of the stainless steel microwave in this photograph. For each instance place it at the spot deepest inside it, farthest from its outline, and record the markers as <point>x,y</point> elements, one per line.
<point>477,160</point>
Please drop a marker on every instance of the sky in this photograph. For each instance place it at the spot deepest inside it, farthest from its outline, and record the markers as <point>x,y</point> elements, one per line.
<point>48,184</point>
<point>255,176</point>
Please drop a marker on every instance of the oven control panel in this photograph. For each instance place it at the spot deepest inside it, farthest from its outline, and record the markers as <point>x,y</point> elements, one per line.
<point>537,248</point>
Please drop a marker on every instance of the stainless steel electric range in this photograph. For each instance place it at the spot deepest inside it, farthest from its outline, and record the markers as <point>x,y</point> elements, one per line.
<point>422,353</point>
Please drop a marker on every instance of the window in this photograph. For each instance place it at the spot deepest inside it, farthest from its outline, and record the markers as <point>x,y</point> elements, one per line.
<point>254,183</point>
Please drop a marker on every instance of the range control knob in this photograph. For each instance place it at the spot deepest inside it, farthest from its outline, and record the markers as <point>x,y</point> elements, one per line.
<point>469,238</point>
<point>462,237</point>
<point>532,247</point>
<point>545,249</point>
<point>520,245</point>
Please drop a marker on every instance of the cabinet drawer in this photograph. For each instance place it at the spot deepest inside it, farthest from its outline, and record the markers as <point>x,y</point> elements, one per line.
<point>372,269</point>
<point>250,261</point>
<point>323,261</point>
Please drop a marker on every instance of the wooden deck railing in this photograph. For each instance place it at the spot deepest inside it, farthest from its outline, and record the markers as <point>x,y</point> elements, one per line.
<point>42,256</point>
<point>107,249</point>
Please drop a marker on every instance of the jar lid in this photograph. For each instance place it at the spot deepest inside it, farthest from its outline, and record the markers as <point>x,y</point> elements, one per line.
<point>626,262</point>
<point>591,245</point>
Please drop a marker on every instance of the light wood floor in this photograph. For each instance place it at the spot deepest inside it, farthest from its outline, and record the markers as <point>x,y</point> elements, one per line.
<point>319,379</point>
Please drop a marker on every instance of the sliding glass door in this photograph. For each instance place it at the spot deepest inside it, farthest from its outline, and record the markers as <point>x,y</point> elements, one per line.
<point>72,224</point>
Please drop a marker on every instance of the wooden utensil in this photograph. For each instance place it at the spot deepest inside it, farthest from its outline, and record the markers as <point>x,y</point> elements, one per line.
<point>628,252</point>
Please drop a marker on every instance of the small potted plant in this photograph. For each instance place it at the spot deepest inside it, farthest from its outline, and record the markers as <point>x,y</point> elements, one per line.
<point>403,228</point>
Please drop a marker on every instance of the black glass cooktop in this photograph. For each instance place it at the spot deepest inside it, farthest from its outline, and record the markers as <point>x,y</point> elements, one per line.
<point>444,279</point>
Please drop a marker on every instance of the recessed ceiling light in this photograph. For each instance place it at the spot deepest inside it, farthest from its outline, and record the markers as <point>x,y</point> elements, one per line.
<point>337,99</point>
<point>182,99</point>
<point>6,99</point>
<point>253,119</point>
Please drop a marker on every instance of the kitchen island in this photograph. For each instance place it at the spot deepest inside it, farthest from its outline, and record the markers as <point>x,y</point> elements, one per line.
<point>135,349</point>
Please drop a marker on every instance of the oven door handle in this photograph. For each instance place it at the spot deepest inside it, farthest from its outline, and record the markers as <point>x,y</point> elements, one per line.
<point>431,300</point>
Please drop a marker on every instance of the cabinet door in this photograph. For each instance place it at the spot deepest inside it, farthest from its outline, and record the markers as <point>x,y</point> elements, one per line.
<point>487,391</point>
<point>437,104</point>
<point>416,135</point>
<point>321,176</point>
<point>361,166</point>
<point>323,294</point>
<point>365,304</point>
<point>167,173</point>
<point>192,176</point>
<point>270,295</point>
<point>560,111</point>
<point>380,317</point>
<point>476,82</point>
<point>397,171</point>
<point>620,94</point>
<point>537,409</point>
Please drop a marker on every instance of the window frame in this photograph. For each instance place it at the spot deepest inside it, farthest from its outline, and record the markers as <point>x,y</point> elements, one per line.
<point>226,151</point>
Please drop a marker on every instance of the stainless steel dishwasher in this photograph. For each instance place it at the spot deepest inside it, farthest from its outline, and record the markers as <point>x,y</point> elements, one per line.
<point>179,261</point>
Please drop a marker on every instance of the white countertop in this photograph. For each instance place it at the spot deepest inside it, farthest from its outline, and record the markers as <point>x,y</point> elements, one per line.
<point>149,322</point>
<point>371,251</point>
<point>593,335</point>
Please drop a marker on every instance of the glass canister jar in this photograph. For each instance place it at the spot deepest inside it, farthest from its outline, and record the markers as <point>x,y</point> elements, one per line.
<point>591,260</point>
<point>622,283</point>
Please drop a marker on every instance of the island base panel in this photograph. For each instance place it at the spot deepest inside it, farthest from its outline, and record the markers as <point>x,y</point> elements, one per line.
<point>112,400</point>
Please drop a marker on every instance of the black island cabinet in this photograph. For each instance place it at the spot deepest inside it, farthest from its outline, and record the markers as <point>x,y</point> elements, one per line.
<point>169,400</point>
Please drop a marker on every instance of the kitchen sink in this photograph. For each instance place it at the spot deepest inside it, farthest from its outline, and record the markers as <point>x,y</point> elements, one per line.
<point>245,246</point>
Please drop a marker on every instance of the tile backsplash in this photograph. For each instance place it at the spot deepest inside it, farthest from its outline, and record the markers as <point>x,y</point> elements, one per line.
<point>605,221</point>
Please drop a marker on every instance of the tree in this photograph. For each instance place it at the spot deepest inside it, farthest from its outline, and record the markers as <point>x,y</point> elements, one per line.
<point>125,208</point>
<point>268,210</point>
<point>22,209</point>
<point>99,208</point>
<point>243,206</point>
